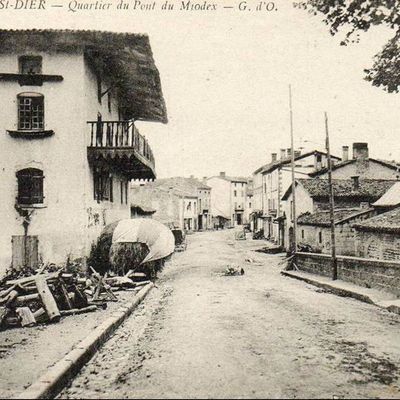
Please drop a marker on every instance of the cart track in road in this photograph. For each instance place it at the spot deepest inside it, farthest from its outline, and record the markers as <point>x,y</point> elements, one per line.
<point>202,334</point>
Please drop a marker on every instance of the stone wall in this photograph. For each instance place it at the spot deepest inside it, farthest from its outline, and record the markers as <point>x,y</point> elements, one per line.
<point>379,245</point>
<point>319,238</point>
<point>377,274</point>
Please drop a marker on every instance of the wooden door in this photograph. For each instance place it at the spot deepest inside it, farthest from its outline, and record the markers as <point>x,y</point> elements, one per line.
<point>25,251</point>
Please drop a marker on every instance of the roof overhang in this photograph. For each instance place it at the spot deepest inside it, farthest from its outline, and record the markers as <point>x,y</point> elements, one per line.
<point>126,59</point>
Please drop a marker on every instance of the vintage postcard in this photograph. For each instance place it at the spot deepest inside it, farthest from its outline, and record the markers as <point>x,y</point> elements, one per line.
<point>199,199</point>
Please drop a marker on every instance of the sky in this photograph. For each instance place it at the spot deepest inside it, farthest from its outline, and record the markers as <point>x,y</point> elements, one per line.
<point>225,78</point>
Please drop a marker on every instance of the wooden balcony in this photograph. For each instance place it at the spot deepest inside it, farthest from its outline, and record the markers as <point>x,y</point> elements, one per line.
<point>120,146</point>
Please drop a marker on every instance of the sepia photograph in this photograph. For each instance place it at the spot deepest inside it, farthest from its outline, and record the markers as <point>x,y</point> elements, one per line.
<point>199,199</point>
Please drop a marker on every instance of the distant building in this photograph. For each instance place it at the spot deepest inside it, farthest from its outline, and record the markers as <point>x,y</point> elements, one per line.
<point>271,182</point>
<point>361,165</point>
<point>248,212</point>
<point>200,194</point>
<point>170,207</point>
<point>379,237</point>
<point>312,196</point>
<point>228,199</point>
<point>69,102</point>
<point>178,202</point>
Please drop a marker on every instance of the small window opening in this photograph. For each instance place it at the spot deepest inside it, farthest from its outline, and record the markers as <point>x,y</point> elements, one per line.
<point>30,65</point>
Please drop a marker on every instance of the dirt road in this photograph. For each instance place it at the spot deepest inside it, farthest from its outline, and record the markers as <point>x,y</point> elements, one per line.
<point>203,334</point>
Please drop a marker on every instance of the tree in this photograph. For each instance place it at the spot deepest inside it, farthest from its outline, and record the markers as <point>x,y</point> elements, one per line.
<point>361,15</point>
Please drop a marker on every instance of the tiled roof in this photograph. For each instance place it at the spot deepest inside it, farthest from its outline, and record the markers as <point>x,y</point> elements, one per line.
<point>126,57</point>
<point>389,164</point>
<point>239,179</point>
<point>390,198</point>
<point>386,222</point>
<point>322,218</point>
<point>369,189</point>
<point>273,165</point>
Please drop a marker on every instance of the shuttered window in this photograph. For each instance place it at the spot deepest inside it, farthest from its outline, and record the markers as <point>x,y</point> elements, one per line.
<point>103,186</point>
<point>30,111</point>
<point>30,186</point>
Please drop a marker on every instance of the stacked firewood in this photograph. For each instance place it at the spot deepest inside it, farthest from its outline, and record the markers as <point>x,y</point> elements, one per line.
<point>44,297</point>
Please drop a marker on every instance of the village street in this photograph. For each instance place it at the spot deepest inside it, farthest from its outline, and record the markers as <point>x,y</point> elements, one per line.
<point>202,334</point>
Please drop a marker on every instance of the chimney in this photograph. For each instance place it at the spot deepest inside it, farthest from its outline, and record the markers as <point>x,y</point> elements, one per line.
<point>191,176</point>
<point>283,154</point>
<point>297,153</point>
<point>204,178</point>
<point>356,182</point>
<point>274,157</point>
<point>360,151</point>
<point>345,153</point>
<point>222,174</point>
<point>289,152</point>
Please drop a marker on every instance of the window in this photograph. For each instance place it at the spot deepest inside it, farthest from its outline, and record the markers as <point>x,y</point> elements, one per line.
<point>30,111</point>
<point>124,191</point>
<point>30,65</point>
<point>189,206</point>
<point>320,237</point>
<point>103,186</point>
<point>30,186</point>
<point>234,193</point>
<point>302,233</point>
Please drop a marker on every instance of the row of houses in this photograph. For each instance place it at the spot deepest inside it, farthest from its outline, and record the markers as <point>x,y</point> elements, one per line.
<point>192,204</point>
<point>366,194</point>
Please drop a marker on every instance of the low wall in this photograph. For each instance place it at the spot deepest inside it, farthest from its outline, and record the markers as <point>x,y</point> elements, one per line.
<point>366,272</point>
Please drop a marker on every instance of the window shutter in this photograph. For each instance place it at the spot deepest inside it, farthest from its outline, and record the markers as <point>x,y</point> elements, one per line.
<point>37,189</point>
<point>30,186</point>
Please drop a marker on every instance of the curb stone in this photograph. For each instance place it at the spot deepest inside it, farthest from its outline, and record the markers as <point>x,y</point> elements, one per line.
<point>57,376</point>
<point>387,305</point>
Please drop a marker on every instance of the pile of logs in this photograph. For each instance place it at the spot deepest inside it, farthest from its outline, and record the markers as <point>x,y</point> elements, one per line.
<point>47,296</point>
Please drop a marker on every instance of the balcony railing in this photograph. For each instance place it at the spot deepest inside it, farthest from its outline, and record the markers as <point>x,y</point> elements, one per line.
<point>119,134</point>
<point>121,138</point>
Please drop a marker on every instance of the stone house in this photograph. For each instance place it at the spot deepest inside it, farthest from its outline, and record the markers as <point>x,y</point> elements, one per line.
<point>200,194</point>
<point>312,196</point>
<point>361,165</point>
<point>273,179</point>
<point>228,199</point>
<point>379,237</point>
<point>314,230</point>
<point>69,102</point>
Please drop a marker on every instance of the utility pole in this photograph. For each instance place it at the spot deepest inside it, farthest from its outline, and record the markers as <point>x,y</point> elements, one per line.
<point>331,203</point>
<point>294,243</point>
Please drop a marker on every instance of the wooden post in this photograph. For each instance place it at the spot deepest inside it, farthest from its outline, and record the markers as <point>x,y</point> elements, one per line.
<point>293,175</point>
<point>47,298</point>
<point>331,202</point>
